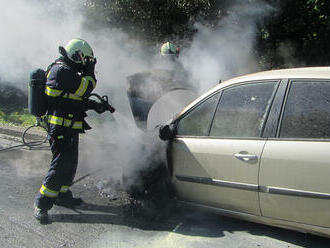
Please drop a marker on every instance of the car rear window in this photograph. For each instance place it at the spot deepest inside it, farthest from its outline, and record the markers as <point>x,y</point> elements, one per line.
<point>307,111</point>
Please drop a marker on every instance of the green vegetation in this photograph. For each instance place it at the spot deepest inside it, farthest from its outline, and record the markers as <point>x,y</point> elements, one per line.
<point>150,20</point>
<point>289,33</point>
<point>13,103</point>
<point>17,118</point>
<point>302,27</point>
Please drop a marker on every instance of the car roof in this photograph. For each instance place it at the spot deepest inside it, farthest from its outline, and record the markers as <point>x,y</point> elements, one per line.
<point>305,72</point>
<point>301,73</point>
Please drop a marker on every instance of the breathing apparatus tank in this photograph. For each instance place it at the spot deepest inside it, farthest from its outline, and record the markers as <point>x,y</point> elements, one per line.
<point>37,101</point>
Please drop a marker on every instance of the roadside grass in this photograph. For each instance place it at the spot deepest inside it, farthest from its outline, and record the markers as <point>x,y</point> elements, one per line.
<point>21,117</point>
<point>17,118</point>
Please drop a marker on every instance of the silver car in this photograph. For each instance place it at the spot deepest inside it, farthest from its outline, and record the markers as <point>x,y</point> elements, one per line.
<point>257,147</point>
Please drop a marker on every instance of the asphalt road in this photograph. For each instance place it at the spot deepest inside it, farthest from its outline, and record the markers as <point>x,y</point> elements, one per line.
<point>108,219</point>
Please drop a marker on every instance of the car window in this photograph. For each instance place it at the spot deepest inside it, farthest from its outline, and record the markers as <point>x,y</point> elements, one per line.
<point>307,111</point>
<point>242,110</point>
<point>197,122</point>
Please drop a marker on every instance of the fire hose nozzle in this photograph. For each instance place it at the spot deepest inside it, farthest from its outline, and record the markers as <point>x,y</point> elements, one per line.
<point>105,101</point>
<point>110,108</point>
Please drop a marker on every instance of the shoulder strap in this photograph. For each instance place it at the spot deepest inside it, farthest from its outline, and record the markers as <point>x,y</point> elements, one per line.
<point>56,62</point>
<point>60,97</point>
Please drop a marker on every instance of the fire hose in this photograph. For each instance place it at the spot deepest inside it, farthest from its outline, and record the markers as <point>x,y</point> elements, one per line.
<point>41,122</point>
<point>105,101</point>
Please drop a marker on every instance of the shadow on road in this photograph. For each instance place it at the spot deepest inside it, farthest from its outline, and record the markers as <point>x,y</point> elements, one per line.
<point>212,225</point>
<point>126,215</point>
<point>184,221</point>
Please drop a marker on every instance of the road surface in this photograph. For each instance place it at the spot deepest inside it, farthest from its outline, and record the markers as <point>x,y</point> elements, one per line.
<point>108,219</point>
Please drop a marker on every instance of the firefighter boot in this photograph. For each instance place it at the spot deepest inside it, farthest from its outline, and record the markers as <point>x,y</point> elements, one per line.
<point>40,214</point>
<point>67,200</point>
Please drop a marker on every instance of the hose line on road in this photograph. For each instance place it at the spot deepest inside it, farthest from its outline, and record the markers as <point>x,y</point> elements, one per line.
<point>37,145</point>
<point>33,144</point>
<point>11,147</point>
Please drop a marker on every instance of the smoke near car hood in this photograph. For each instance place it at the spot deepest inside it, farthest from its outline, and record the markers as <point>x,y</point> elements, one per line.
<point>33,30</point>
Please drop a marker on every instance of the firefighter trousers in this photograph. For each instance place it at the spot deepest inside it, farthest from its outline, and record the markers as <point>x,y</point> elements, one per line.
<point>62,170</point>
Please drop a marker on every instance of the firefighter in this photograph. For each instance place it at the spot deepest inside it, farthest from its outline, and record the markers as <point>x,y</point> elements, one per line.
<point>169,50</point>
<point>170,57</point>
<point>70,79</point>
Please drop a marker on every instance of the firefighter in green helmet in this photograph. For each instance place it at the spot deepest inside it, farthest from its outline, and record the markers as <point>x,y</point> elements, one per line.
<point>70,80</point>
<point>169,50</point>
<point>170,57</point>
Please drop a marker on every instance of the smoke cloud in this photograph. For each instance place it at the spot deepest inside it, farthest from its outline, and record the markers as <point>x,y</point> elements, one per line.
<point>31,34</point>
<point>32,30</point>
<point>228,49</point>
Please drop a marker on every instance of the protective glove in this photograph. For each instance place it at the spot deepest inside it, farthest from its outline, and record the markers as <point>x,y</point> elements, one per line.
<point>89,68</point>
<point>100,108</point>
<point>97,106</point>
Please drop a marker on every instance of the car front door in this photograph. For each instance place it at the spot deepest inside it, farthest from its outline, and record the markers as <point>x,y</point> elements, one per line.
<point>295,165</point>
<point>216,156</point>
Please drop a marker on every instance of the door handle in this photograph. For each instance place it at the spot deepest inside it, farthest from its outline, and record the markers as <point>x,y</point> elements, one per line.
<point>246,157</point>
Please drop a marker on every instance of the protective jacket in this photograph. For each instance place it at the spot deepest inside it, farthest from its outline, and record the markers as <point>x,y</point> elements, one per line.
<point>67,87</point>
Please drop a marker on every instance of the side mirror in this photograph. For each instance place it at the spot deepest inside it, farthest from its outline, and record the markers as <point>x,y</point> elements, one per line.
<point>166,132</point>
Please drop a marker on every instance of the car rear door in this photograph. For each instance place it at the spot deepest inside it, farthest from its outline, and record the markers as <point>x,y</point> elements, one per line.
<point>216,157</point>
<point>295,165</point>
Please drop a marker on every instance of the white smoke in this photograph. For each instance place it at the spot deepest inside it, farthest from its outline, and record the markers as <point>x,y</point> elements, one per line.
<point>32,30</point>
<point>226,50</point>
<point>31,34</point>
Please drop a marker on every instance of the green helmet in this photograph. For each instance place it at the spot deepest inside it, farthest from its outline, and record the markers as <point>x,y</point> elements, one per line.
<point>169,49</point>
<point>79,51</point>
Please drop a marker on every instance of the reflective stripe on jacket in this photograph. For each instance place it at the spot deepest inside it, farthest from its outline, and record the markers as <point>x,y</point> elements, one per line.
<point>66,88</point>
<point>81,91</point>
<point>65,122</point>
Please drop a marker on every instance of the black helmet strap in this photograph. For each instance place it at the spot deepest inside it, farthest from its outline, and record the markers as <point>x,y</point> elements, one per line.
<point>62,51</point>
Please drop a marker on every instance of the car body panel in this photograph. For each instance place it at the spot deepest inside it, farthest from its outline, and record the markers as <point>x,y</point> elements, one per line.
<point>207,170</point>
<point>287,187</point>
<point>297,181</point>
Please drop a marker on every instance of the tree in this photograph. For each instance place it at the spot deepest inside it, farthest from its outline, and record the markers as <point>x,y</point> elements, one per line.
<point>296,34</point>
<point>155,20</point>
